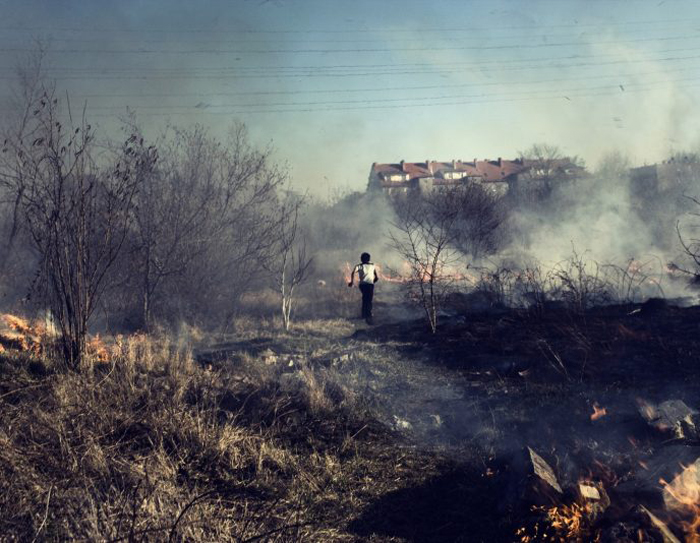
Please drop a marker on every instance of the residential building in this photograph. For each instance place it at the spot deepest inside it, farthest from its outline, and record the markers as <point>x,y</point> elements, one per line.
<point>499,176</point>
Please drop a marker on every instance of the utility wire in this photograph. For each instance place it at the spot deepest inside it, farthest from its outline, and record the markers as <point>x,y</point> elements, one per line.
<point>311,74</point>
<point>618,79</point>
<point>391,103</point>
<point>489,63</point>
<point>402,106</point>
<point>411,39</point>
<point>144,51</point>
<point>465,28</point>
<point>562,91</point>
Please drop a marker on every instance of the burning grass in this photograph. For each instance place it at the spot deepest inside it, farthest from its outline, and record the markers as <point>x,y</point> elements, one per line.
<point>682,497</point>
<point>21,334</point>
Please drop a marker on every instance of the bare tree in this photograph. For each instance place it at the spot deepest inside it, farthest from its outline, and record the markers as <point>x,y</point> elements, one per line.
<point>292,265</point>
<point>172,215</point>
<point>425,236</point>
<point>542,152</point>
<point>205,222</point>
<point>26,100</point>
<point>480,216</point>
<point>547,168</point>
<point>75,212</point>
<point>436,231</point>
<point>547,160</point>
<point>613,166</point>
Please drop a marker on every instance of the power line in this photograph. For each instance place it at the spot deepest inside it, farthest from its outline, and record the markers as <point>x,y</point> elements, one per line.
<point>339,67</point>
<point>443,97</point>
<point>144,51</point>
<point>411,39</point>
<point>466,28</point>
<point>619,78</point>
<point>419,101</point>
<point>311,74</point>
<point>557,95</point>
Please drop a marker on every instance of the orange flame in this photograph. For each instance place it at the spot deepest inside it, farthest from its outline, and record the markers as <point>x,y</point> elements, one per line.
<point>682,497</point>
<point>22,335</point>
<point>598,412</point>
<point>19,334</point>
<point>647,409</point>
<point>407,274</point>
<point>18,324</point>
<point>567,518</point>
<point>97,348</point>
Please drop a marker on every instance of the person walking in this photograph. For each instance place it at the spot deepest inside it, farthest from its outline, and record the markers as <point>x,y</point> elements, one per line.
<point>367,276</point>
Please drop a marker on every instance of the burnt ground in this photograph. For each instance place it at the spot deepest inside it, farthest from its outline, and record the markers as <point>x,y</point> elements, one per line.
<point>490,384</point>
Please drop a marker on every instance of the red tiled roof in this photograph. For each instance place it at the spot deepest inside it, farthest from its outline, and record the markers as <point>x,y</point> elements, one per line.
<point>486,170</point>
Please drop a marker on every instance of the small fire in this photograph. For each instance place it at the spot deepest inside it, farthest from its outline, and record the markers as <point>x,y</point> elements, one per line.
<point>19,334</point>
<point>409,273</point>
<point>569,519</point>
<point>648,410</point>
<point>598,412</point>
<point>682,497</point>
<point>97,348</point>
<point>388,276</point>
<point>18,324</point>
<point>568,522</point>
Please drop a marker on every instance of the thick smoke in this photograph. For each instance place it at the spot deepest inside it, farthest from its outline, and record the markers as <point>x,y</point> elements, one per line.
<point>605,220</point>
<point>339,232</point>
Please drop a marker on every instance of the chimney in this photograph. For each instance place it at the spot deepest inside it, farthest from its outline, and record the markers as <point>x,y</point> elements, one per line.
<point>474,162</point>
<point>454,164</point>
<point>403,166</point>
<point>428,166</point>
<point>500,161</point>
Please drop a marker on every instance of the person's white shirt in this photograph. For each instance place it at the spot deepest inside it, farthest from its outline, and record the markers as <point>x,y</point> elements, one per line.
<point>365,272</point>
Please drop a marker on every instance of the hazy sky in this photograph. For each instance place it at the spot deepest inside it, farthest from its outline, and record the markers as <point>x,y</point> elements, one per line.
<point>337,85</point>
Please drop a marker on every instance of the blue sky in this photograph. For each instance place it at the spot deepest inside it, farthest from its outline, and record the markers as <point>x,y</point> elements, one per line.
<point>337,85</point>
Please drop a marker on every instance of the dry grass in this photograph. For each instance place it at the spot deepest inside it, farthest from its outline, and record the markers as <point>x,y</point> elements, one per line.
<point>149,446</point>
<point>272,327</point>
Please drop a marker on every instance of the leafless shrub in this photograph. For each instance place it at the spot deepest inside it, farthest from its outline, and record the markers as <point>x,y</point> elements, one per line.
<point>480,216</point>
<point>510,286</point>
<point>577,281</point>
<point>581,283</point>
<point>535,288</point>
<point>498,286</point>
<point>76,211</point>
<point>28,96</point>
<point>290,266</point>
<point>424,237</point>
<point>205,221</point>
<point>634,281</point>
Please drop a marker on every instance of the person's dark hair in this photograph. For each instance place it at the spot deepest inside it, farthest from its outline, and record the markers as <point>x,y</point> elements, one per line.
<point>364,258</point>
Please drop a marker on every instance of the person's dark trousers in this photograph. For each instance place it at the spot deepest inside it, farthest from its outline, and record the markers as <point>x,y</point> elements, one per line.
<point>367,290</point>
